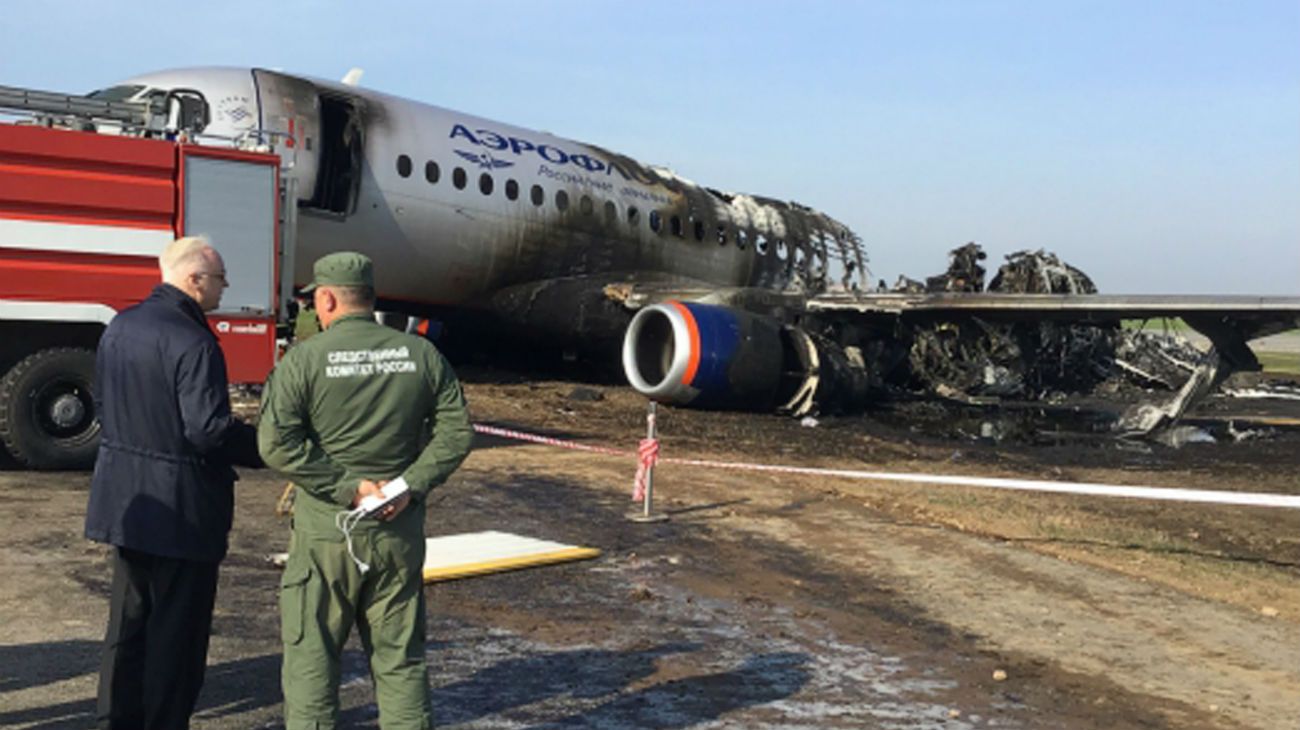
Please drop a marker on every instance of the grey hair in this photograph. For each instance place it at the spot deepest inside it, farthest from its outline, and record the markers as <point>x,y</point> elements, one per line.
<point>183,255</point>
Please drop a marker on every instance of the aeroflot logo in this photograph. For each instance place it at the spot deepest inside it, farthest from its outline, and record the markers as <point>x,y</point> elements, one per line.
<point>484,160</point>
<point>550,153</point>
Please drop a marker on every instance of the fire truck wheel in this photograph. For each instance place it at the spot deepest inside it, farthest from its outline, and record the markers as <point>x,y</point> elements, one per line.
<point>47,412</point>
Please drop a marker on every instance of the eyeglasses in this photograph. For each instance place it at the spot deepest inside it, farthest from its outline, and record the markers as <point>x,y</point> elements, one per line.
<point>221,276</point>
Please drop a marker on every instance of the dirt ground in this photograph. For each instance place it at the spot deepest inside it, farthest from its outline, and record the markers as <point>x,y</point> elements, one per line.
<point>766,600</point>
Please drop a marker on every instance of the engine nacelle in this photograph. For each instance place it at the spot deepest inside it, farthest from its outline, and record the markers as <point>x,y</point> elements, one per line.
<point>705,355</point>
<point>710,356</point>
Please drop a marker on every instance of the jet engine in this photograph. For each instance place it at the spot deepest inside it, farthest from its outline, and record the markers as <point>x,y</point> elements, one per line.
<point>712,356</point>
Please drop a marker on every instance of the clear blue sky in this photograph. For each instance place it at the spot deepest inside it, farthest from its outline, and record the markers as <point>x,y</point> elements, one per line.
<point>1155,145</point>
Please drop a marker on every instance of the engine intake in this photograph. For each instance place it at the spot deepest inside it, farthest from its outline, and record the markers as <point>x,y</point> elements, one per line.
<point>709,356</point>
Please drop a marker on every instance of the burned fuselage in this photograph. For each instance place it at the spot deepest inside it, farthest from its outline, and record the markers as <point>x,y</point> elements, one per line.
<point>516,230</point>
<point>526,241</point>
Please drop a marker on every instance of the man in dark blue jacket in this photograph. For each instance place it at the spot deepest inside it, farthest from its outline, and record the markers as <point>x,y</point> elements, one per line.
<point>163,489</point>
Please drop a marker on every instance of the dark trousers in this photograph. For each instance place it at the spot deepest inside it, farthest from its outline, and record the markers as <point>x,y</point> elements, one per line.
<point>156,649</point>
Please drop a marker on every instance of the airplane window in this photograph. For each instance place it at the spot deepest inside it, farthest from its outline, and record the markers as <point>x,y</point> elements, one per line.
<point>459,178</point>
<point>675,224</point>
<point>742,239</point>
<point>722,234</point>
<point>611,211</point>
<point>485,183</point>
<point>403,166</point>
<point>633,215</point>
<point>561,199</point>
<point>699,230</point>
<point>431,171</point>
<point>512,189</point>
<point>537,195</point>
<point>656,221</point>
<point>760,244</point>
<point>584,205</point>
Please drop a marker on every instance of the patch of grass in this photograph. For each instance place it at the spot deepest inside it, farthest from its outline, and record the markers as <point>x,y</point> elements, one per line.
<point>1282,363</point>
<point>1173,325</point>
<point>956,500</point>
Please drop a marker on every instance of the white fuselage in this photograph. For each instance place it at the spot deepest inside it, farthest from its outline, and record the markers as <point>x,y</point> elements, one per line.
<point>455,209</point>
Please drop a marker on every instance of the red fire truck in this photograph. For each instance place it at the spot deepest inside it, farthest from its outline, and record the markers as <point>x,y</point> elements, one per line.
<point>90,193</point>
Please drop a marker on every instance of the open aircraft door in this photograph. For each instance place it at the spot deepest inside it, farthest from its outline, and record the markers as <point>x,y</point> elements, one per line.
<point>290,110</point>
<point>324,139</point>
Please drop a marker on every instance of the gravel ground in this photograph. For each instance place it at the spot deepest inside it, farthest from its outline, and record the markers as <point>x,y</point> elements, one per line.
<point>765,601</point>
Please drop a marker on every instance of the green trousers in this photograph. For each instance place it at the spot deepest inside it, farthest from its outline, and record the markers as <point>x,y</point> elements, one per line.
<point>322,594</point>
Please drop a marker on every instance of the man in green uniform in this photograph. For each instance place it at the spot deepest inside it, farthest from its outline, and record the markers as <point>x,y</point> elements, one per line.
<point>304,323</point>
<point>345,412</point>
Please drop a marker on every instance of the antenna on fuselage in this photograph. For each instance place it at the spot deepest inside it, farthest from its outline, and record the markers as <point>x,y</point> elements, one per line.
<point>353,77</point>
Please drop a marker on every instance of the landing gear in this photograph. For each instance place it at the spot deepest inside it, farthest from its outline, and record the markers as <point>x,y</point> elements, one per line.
<point>47,412</point>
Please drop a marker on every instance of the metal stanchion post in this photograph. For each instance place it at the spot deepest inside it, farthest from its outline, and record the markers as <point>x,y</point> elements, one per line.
<point>647,513</point>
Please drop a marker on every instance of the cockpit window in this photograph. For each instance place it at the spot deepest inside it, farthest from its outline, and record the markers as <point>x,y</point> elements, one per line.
<point>116,93</point>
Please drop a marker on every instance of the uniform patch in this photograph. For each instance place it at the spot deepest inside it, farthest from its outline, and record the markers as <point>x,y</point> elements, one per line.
<point>364,363</point>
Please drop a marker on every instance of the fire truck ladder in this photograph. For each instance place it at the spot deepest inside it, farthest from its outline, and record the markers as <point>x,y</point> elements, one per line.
<point>186,108</point>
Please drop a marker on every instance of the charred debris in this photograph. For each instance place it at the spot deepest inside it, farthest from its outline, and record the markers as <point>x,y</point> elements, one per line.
<point>974,359</point>
<point>986,364</point>
<point>1037,336</point>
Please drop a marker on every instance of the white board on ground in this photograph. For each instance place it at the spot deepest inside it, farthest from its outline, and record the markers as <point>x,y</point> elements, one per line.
<point>479,553</point>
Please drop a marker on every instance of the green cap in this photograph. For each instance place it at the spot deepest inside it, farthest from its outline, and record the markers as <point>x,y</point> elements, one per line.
<point>346,268</point>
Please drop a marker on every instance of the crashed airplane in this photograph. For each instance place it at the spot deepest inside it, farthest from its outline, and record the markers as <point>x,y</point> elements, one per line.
<point>508,236</point>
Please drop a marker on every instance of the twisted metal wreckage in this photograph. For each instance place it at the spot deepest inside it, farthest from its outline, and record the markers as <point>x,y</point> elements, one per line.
<point>1047,360</point>
<point>532,245</point>
<point>1039,332</point>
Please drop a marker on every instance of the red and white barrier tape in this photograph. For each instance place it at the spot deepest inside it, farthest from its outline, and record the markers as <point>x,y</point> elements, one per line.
<point>648,455</point>
<point>547,440</point>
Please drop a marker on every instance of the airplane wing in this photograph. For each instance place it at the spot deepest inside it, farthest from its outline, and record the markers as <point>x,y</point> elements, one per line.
<point>707,345</point>
<point>1229,322</point>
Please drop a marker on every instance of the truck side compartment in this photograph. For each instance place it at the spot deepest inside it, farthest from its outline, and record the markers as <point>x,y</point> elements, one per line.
<point>83,218</point>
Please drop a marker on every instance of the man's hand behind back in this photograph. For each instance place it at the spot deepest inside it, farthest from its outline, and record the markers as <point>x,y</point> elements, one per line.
<point>368,487</point>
